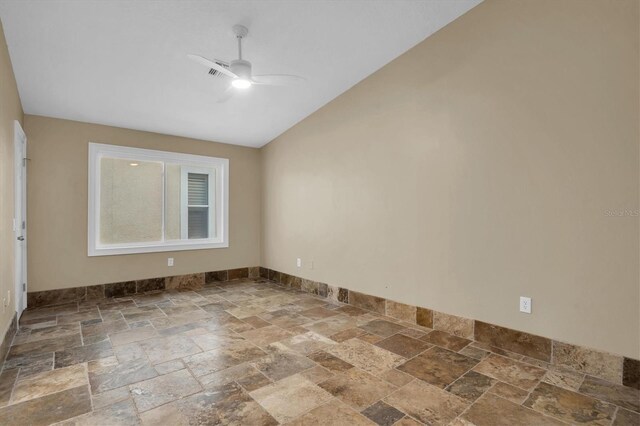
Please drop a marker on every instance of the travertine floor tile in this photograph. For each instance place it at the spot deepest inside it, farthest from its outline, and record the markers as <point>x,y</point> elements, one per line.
<point>226,404</point>
<point>265,335</point>
<point>7,380</point>
<point>110,397</point>
<point>308,342</point>
<point>122,413</point>
<point>49,382</point>
<point>290,397</point>
<point>81,354</point>
<point>317,374</point>
<point>332,413</point>
<point>243,374</point>
<point>53,332</point>
<point>509,392</point>
<point>438,366</point>
<point>446,340</point>
<point>154,392</point>
<point>382,327</point>
<point>506,370</point>
<point>283,363</point>
<point>357,388</point>
<point>626,418</point>
<point>47,409</point>
<point>44,346</point>
<point>427,403</point>
<point>622,396</point>
<point>330,362</point>
<point>164,349</point>
<point>383,414</point>
<point>402,345</point>
<point>133,335</point>
<point>491,410</point>
<point>366,356</point>
<point>569,406</point>
<point>222,358</point>
<point>107,374</point>
<point>471,386</point>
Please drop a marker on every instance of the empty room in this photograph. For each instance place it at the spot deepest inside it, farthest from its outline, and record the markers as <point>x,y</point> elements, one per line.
<point>320,212</point>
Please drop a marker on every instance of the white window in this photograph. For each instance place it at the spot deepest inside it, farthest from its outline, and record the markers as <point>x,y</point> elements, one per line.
<point>142,200</point>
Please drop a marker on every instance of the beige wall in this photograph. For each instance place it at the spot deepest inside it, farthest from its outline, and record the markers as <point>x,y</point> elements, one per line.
<point>57,215</point>
<point>10,110</point>
<point>476,168</point>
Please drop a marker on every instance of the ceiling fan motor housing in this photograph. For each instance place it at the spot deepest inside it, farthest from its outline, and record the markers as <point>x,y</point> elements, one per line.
<point>241,68</point>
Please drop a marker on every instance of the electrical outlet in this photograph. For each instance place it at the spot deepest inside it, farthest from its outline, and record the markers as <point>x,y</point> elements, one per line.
<point>525,304</point>
<point>299,263</point>
<point>170,261</point>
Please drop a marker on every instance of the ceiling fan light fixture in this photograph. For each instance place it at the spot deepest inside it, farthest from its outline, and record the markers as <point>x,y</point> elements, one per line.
<point>241,83</point>
<point>239,70</point>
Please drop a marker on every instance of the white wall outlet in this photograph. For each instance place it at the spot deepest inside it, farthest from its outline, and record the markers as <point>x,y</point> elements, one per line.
<point>299,263</point>
<point>170,261</point>
<point>525,304</point>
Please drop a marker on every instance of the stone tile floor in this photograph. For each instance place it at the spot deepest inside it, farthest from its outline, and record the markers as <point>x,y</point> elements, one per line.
<point>249,352</point>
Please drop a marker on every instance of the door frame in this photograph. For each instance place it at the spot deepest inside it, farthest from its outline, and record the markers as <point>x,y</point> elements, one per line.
<point>20,218</point>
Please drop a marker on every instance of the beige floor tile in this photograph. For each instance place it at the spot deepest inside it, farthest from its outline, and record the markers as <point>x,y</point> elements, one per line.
<point>121,413</point>
<point>438,366</point>
<point>357,388</point>
<point>265,335</point>
<point>49,382</point>
<point>163,349</point>
<point>491,410</point>
<point>308,342</point>
<point>134,335</point>
<point>366,356</point>
<point>154,392</point>
<point>221,358</point>
<point>226,404</point>
<point>427,403</point>
<point>287,399</point>
<point>332,413</point>
<point>569,406</point>
<point>48,409</point>
<point>513,372</point>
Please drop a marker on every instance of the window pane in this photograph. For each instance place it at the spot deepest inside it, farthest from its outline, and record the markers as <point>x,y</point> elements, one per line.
<point>198,189</point>
<point>130,201</point>
<point>198,222</point>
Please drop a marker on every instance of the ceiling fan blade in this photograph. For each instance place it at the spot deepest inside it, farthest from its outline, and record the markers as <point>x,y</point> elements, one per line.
<point>278,79</point>
<point>226,95</point>
<point>212,64</point>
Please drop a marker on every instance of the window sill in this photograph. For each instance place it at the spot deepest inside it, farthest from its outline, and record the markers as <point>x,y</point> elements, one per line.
<point>154,248</point>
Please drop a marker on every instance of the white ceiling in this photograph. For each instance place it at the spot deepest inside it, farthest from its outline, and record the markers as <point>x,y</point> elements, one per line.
<point>123,62</point>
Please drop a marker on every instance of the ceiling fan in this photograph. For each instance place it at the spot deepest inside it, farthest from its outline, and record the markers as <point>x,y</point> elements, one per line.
<point>239,70</point>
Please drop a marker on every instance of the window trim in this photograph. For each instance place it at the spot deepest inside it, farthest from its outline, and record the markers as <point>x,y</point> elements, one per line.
<point>220,189</point>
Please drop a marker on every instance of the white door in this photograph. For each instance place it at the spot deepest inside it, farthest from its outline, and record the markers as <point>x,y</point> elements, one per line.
<point>20,218</point>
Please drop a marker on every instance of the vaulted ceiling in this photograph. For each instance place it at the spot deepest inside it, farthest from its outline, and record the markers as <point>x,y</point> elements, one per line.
<point>124,63</point>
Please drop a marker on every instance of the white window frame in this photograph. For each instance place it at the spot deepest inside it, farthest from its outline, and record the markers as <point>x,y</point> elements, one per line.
<point>219,190</point>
